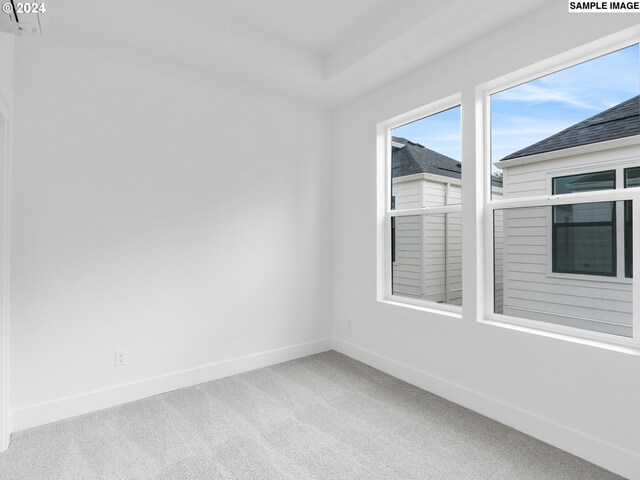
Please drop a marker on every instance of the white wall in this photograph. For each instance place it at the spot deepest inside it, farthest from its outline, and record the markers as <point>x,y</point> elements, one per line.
<point>6,65</point>
<point>581,398</point>
<point>181,216</point>
<point>6,102</point>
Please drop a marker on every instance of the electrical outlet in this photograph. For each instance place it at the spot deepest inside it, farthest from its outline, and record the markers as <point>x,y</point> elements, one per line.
<point>121,357</point>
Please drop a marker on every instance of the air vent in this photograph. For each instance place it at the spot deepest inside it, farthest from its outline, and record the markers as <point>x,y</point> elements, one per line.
<point>23,23</point>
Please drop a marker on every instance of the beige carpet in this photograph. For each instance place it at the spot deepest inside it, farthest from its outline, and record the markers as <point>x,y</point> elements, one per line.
<point>322,417</point>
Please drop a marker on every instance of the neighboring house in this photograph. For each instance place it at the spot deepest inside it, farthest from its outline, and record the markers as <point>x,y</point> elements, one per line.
<point>571,264</point>
<point>427,250</point>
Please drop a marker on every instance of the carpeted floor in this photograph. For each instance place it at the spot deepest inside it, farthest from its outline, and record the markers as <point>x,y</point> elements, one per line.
<point>324,417</point>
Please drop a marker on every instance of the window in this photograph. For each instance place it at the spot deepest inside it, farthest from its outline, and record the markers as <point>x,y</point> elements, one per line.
<point>562,153</point>
<point>584,236</point>
<point>424,181</point>
<point>599,257</point>
<point>566,146</point>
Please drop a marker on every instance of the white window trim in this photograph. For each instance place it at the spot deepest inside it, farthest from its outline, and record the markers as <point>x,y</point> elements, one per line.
<point>486,315</point>
<point>385,214</point>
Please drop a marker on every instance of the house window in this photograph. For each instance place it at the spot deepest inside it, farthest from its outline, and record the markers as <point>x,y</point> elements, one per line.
<point>567,148</point>
<point>584,235</point>
<point>423,213</point>
<point>599,257</point>
<point>631,179</point>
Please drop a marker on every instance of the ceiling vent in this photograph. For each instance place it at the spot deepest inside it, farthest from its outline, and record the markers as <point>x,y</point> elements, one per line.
<point>23,19</point>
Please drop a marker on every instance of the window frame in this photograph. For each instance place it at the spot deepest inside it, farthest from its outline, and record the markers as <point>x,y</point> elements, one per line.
<point>483,93</point>
<point>386,214</point>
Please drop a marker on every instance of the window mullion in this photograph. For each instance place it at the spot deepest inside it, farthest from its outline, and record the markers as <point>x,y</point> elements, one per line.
<point>425,211</point>
<point>565,199</point>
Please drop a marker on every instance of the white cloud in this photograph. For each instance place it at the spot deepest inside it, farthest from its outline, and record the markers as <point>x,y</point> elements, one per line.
<point>516,125</point>
<point>594,85</point>
<point>517,132</point>
<point>530,93</point>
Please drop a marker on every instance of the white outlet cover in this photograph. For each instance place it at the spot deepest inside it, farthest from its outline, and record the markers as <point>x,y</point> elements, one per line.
<point>121,357</point>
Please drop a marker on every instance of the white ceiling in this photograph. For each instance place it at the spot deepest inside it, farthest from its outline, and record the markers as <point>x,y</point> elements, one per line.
<point>321,51</point>
<point>319,26</point>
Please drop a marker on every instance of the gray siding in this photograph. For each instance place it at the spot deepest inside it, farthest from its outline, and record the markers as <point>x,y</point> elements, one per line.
<point>407,269</point>
<point>428,248</point>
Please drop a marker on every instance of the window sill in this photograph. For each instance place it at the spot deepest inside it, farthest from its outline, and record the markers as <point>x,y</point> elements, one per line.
<point>451,311</point>
<point>624,345</point>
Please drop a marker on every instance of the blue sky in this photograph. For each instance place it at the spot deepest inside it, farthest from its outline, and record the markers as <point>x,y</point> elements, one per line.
<point>439,132</point>
<point>528,113</point>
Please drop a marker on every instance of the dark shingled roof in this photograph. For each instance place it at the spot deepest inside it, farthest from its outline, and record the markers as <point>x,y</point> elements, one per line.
<point>622,120</point>
<point>415,158</point>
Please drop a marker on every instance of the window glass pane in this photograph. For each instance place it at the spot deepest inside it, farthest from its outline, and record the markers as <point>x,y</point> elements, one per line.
<point>425,162</point>
<point>584,239</point>
<point>584,213</point>
<point>584,235</point>
<point>585,182</point>
<point>632,177</point>
<point>428,257</point>
<point>586,250</point>
<point>588,103</point>
<point>524,288</point>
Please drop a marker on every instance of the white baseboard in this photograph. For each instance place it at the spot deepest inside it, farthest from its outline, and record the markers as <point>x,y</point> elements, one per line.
<point>52,411</point>
<point>608,456</point>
